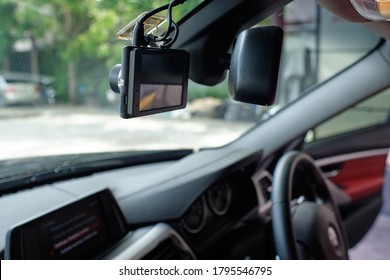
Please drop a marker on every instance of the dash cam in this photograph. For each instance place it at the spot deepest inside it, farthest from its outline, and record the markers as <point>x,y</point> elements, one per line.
<point>150,81</point>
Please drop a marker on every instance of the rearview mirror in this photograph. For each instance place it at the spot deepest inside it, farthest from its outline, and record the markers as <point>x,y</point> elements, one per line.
<point>254,66</point>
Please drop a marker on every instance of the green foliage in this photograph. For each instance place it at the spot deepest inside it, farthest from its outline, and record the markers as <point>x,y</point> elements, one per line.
<point>196,91</point>
<point>7,23</point>
<point>81,33</point>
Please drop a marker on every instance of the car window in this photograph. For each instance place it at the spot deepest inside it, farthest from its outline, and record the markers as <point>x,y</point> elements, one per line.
<point>317,45</point>
<point>371,112</point>
<point>68,50</point>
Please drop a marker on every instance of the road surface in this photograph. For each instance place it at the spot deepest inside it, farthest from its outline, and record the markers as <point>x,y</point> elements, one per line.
<point>35,131</point>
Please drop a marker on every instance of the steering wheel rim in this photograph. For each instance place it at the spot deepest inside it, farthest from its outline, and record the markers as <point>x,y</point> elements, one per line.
<point>285,238</point>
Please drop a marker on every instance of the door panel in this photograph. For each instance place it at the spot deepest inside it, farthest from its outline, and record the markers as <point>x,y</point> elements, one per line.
<point>360,175</point>
<point>355,162</point>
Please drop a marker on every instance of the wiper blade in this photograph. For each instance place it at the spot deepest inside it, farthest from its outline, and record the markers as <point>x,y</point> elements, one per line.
<point>16,175</point>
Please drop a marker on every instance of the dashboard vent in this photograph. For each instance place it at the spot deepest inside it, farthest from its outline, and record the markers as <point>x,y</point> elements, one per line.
<point>169,249</point>
<point>266,187</point>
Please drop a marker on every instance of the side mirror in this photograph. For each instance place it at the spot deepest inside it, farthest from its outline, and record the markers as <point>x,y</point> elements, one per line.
<point>254,66</point>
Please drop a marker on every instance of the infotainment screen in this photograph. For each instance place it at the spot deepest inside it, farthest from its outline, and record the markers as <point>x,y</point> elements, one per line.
<point>84,229</point>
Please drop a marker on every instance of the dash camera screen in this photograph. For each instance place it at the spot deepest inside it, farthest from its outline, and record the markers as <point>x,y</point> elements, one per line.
<point>162,80</point>
<point>159,96</point>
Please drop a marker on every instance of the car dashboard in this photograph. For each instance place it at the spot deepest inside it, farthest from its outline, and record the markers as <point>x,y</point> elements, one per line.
<point>201,213</point>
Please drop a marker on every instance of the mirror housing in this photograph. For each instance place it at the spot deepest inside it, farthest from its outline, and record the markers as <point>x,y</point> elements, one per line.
<point>254,65</point>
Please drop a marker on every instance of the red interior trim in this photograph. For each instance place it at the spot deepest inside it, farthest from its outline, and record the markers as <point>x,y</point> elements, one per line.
<point>361,178</point>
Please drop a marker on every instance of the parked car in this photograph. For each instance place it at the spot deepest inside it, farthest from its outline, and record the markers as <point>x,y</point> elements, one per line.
<point>3,88</point>
<point>306,182</point>
<point>21,88</point>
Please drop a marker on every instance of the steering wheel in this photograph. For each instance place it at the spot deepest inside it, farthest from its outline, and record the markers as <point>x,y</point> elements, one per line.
<point>308,226</point>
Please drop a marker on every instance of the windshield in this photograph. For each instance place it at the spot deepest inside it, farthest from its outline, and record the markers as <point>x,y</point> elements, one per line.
<point>56,56</point>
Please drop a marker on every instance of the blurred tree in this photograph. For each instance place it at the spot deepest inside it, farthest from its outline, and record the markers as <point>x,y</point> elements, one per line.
<point>7,39</point>
<point>73,18</point>
<point>33,25</point>
<point>86,30</point>
<point>81,33</point>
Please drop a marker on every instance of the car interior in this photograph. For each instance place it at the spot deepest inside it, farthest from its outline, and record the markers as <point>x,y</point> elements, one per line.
<point>288,188</point>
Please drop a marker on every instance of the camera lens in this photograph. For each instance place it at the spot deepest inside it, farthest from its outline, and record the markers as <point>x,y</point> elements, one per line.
<point>115,78</point>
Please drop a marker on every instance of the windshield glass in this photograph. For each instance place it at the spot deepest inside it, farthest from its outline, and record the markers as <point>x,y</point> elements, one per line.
<point>56,56</point>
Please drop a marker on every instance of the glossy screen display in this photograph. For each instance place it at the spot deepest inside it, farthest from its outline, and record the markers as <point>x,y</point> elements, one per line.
<point>81,230</point>
<point>160,96</point>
